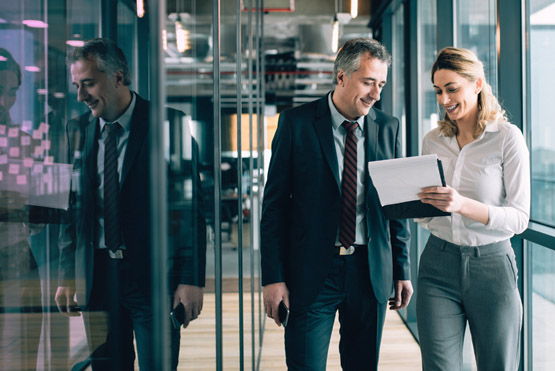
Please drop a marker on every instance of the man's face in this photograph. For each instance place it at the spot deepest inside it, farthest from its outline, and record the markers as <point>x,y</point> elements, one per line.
<point>354,95</point>
<point>98,90</point>
<point>8,93</point>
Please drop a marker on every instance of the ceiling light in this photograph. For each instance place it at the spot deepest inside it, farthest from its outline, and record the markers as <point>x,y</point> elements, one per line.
<point>335,35</point>
<point>354,8</point>
<point>32,68</point>
<point>75,43</point>
<point>140,8</point>
<point>181,36</point>
<point>33,23</point>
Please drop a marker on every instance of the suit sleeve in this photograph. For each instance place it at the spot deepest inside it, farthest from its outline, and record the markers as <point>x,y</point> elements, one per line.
<point>400,232</point>
<point>274,227</point>
<point>187,224</point>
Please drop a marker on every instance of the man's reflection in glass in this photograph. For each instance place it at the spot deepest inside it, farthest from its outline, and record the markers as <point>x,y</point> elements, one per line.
<point>105,261</point>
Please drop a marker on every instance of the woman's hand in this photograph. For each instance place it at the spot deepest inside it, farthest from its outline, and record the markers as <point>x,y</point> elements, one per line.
<point>449,200</point>
<point>444,198</point>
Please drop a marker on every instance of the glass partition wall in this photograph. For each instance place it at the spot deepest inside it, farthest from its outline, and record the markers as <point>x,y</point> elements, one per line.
<point>198,64</point>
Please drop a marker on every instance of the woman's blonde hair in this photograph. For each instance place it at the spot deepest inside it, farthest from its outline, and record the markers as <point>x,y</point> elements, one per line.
<point>466,64</point>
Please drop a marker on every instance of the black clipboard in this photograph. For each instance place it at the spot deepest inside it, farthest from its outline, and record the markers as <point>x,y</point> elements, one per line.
<point>415,209</point>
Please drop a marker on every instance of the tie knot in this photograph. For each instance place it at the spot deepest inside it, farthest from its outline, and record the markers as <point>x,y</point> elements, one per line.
<point>350,126</point>
<point>113,128</point>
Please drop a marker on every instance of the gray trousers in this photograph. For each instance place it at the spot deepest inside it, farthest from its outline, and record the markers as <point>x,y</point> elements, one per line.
<point>457,284</point>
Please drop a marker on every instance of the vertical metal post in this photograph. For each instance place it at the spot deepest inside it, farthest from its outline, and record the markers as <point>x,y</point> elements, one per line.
<point>158,191</point>
<point>260,162</point>
<point>411,77</point>
<point>239,83</point>
<point>109,19</point>
<point>217,181</point>
<point>446,26</point>
<point>527,359</point>
<point>251,183</point>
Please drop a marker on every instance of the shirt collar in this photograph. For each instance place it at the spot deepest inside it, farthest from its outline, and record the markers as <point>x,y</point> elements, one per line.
<point>337,118</point>
<point>125,119</point>
<point>492,126</point>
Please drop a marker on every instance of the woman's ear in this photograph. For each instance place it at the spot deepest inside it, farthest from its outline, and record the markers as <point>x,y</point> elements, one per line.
<point>479,84</point>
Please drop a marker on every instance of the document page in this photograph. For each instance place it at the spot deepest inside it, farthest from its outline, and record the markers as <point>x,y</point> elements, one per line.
<point>401,179</point>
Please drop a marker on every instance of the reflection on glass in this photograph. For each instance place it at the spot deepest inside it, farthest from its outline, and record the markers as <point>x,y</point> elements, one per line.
<point>476,27</point>
<point>20,290</point>
<point>105,269</point>
<point>543,307</point>
<point>542,131</point>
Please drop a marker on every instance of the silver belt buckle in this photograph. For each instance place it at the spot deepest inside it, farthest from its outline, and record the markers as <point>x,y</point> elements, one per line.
<point>118,254</point>
<point>346,251</point>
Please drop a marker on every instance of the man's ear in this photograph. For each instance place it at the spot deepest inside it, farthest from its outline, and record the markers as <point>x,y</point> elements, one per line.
<point>340,78</point>
<point>118,78</point>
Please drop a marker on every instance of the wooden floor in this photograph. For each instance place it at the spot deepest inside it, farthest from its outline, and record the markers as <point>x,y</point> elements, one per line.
<point>399,350</point>
<point>198,342</point>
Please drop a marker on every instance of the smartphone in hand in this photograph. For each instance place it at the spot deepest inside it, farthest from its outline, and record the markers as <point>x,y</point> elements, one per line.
<point>283,313</point>
<point>177,315</point>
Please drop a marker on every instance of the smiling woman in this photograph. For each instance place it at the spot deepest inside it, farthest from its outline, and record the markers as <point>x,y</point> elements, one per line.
<point>488,195</point>
<point>457,74</point>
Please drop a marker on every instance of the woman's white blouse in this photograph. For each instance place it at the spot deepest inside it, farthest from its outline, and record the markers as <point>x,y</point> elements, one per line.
<point>493,169</point>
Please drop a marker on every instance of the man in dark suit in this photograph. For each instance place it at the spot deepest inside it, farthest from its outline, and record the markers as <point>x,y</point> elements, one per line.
<point>326,245</point>
<point>105,250</point>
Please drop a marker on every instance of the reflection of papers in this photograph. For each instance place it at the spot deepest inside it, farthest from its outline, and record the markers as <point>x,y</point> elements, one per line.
<point>401,179</point>
<point>39,183</point>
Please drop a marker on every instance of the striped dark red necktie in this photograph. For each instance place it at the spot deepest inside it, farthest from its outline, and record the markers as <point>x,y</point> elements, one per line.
<point>347,229</point>
<point>112,233</point>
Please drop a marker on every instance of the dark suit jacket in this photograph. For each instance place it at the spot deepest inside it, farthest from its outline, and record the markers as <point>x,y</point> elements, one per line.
<point>78,238</point>
<point>302,205</point>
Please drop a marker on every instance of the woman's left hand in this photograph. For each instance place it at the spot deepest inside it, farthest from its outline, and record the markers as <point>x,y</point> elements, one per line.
<point>444,198</point>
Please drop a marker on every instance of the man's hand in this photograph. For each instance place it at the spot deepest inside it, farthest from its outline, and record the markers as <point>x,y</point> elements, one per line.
<point>64,300</point>
<point>403,293</point>
<point>192,299</point>
<point>273,294</point>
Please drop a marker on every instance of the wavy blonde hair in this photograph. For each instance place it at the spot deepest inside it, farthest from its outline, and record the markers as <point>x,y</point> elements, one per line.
<point>466,64</point>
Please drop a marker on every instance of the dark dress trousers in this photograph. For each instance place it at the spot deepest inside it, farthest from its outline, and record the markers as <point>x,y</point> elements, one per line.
<point>122,287</point>
<point>300,220</point>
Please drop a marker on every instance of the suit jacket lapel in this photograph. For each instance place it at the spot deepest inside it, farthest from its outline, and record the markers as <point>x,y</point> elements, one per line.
<point>323,127</point>
<point>139,128</point>
<point>90,152</point>
<point>371,136</point>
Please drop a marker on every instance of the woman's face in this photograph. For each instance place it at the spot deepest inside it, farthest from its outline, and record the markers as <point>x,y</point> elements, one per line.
<point>457,94</point>
<point>8,93</point>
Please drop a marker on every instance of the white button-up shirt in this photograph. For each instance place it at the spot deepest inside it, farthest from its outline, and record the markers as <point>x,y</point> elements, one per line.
<point>493,169</point>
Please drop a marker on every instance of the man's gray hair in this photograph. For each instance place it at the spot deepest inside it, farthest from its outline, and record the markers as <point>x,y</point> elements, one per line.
<point>348,58</point>
<point>106,53</point>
